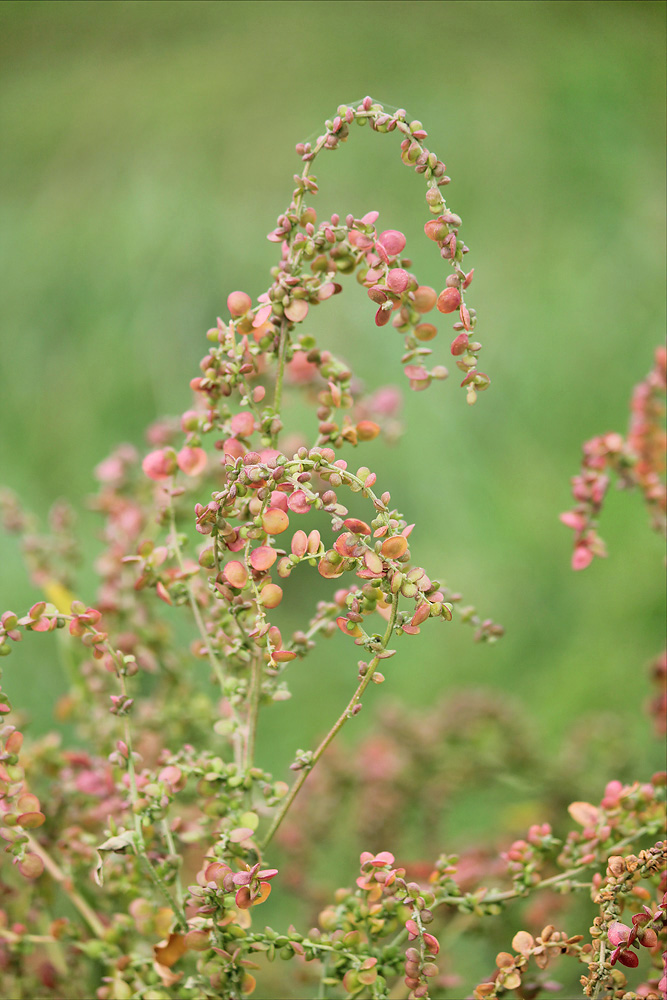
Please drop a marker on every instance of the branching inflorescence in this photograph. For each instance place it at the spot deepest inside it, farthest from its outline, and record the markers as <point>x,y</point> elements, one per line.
<point>161,831</point>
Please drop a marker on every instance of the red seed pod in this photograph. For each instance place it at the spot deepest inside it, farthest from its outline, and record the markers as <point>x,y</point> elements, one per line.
<point>459,344</point>
<point>449,300</point>
<point>382,316</point>
<point>378,294</point>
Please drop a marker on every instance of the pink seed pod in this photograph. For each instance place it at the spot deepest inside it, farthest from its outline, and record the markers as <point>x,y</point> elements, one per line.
<point>459,344</point>
<point>425,298</point>
<point>271,595</point>
<point>191,461</point>
<point>159,465</point>
<point>449,300</point>
<point>275,521</point>
<point>262,558</point>
<point>297,310</point>
<point>238,303</point>
<point>382,317</point>
<point>243,424</point>
<point>393,241</point>
<point>436,230</point>
<point>299,545</point>
<point>398,280</point>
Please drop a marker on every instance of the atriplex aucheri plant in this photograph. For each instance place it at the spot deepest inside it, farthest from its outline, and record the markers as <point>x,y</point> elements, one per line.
<point>147,853</point>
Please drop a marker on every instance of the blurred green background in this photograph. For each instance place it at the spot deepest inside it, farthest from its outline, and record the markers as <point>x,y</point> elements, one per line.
<point>147,150</point>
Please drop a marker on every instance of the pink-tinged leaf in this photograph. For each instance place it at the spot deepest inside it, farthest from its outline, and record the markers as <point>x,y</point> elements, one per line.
<point>369,218</point>
<point>382,859</point>
<point>412,929</point>
<point>297,310</point>
<point>630,959</point>
<point>263,558</point>
<point>163,593</point>
<point>465,316</point>
<point>584,813</point>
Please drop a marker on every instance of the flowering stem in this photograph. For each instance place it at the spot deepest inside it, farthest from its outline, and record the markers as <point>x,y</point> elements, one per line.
<point>253,711</point>
<point>64,882</point>
<point>335,729</point>
<point>216,666</point>
<point>278,391</point>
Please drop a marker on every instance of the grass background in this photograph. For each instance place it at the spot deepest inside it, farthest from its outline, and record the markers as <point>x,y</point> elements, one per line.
<point>147,150</point>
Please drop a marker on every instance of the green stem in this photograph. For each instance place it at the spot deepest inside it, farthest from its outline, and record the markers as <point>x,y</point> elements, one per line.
<point>163,890</point>
<point>278,392</point>
<point>253,712</point>
<point>216,666</point>
<point>171,847</point>
<point>64,882</point>
<point>335,729</point>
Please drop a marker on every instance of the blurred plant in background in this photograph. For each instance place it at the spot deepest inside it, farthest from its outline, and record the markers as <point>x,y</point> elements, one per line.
<point>165,803</point>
